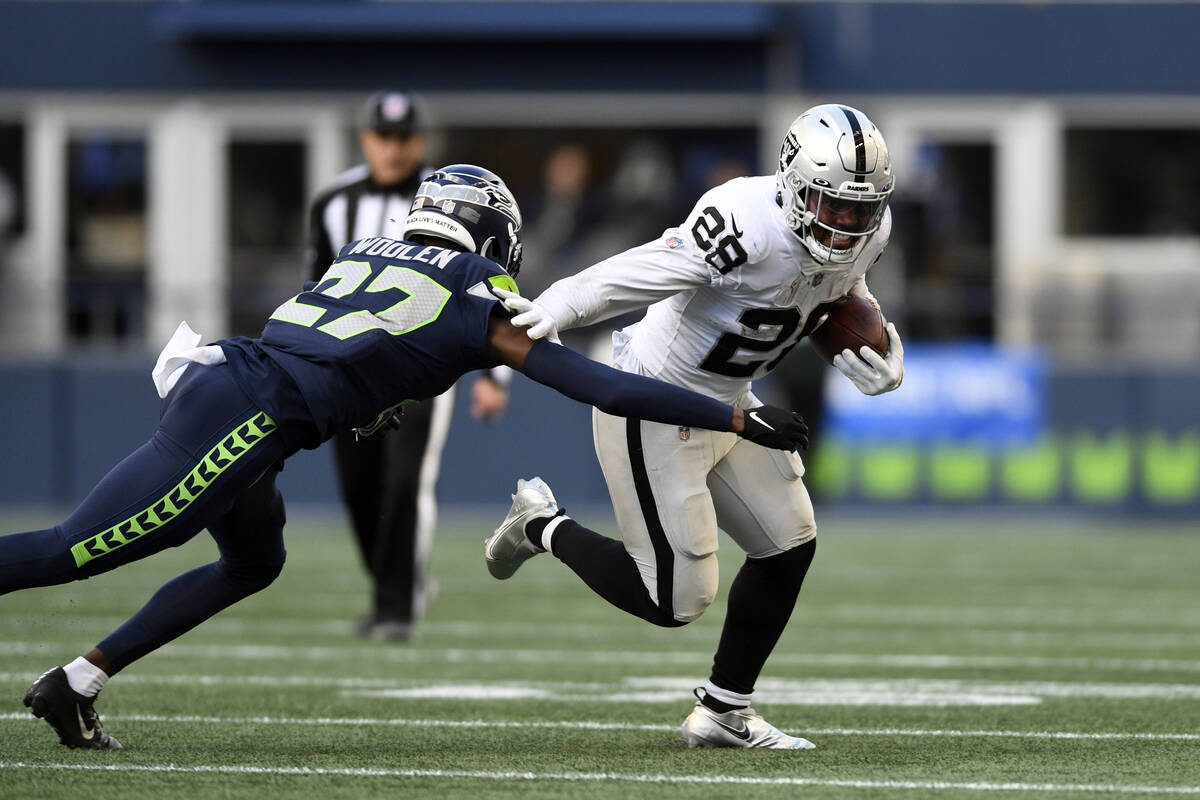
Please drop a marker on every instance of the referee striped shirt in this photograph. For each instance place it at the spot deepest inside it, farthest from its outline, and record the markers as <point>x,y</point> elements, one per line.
<point>355,207</point>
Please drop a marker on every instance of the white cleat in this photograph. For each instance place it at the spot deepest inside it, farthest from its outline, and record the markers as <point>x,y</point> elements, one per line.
<point>508,548</point>
<point>742,727</point>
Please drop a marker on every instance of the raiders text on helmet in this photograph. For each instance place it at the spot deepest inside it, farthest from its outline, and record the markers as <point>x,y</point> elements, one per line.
<point>834,181</point>
<point>471,207</point>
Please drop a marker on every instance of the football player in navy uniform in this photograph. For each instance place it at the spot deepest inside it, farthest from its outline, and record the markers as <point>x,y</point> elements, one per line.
<point>729,293</point>
<point>389,483</point>
<point>389,322</point>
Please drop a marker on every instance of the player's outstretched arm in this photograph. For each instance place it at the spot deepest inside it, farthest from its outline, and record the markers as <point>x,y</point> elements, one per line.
<point>536,320</point>
<point>626,395</point>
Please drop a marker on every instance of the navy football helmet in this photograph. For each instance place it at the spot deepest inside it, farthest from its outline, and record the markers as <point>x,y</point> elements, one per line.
<point>471,207</point>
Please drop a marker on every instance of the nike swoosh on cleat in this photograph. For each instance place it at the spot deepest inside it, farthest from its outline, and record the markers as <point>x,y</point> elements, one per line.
<point>743,733</point>
<point>83,729</point>
<point>754,416</point>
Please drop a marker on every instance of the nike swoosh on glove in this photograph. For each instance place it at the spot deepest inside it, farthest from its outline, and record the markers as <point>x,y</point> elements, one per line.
<point>871,372</point>
<point>529,315</point>
<point>775,427</point>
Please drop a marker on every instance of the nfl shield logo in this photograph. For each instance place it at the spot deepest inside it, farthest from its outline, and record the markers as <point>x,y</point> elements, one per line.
<point>395,106</point>
<point>673,242</point>
<point>685,433</point>
<point>448,206</point>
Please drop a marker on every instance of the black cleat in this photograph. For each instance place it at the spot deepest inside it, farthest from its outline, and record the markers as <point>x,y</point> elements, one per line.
<point>70,714</point>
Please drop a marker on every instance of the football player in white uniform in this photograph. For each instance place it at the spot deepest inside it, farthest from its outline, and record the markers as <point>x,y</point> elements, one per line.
<point>730,292</point>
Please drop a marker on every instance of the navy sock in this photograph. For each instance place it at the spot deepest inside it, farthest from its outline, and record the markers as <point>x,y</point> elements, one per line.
<point>182,604</point>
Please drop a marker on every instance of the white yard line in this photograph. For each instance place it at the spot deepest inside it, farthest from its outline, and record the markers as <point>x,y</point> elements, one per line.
<point>844,695</point>
<point>616,726</point>
<point>1009,615</point>
<point>605,777</point>
<point>885,634</point>
<point>783,692</point>
<point>676,684</point>
<point>410,655</point>
<point>869,614</point>
<point>810,691</point>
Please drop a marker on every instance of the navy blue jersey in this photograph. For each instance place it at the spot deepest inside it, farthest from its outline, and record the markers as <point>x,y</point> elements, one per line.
<point>389,321</point>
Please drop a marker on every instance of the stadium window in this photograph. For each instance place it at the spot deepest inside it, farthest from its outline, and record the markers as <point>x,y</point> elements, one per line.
<point>12,183</point>
<point>1131,182</point>
<point>944,238</point>
<point>589,193</point>
<point>267,228</point>
<point>12,195</point>
<point>106,238</point>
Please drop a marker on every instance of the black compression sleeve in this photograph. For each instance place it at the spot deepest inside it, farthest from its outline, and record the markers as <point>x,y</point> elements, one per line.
<point>622,394</point>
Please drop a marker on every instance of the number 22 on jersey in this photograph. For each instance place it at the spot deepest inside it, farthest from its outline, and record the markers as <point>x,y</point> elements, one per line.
<point>423,302</point>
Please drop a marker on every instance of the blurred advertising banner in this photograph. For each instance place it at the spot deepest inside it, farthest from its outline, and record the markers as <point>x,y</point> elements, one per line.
<point>972,392</point>
<point>975,424</point>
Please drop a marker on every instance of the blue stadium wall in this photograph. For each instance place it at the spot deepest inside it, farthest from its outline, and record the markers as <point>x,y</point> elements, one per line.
<point>922,47</point>
<point>65,423</point>
<point>1127,441</point>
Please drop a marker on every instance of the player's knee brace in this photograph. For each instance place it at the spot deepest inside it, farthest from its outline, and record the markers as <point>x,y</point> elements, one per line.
<point>695,582</point>
<point>692,608</point>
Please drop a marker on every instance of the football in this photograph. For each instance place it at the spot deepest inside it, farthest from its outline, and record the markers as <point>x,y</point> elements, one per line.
<point>849,322</point>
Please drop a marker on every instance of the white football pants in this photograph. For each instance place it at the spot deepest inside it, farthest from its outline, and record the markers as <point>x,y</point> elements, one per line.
<point>673,487</point>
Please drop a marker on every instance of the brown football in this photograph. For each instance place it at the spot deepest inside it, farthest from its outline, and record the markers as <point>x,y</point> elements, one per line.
<point>850,322</point>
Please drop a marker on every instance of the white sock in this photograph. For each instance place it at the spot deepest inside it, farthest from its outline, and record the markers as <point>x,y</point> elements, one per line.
<point>85,677</point>
<point>726,696</point>
<point>548,532</point>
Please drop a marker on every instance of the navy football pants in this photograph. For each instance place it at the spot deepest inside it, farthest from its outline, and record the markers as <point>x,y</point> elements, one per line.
<point>211,464</point>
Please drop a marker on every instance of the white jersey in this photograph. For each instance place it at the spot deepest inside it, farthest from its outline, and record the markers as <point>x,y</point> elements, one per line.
<point>729,292</point>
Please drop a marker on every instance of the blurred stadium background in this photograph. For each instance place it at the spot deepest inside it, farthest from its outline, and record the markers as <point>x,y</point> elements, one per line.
<point>156,161</point>
<point>1005,599</point>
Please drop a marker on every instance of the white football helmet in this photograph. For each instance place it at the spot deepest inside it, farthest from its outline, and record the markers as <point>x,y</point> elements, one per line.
<point>834,179</point>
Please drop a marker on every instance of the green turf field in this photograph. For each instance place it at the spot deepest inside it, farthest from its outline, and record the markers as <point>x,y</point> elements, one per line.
<point>972,657</point>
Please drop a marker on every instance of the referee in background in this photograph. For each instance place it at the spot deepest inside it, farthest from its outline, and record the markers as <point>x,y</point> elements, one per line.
<point>388,482</point>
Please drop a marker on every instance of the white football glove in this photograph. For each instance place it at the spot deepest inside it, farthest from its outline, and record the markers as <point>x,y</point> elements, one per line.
<point>871,372</point>
<point>531,315</point>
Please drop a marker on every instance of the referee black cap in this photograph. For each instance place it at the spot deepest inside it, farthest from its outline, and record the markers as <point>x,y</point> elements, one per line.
<point>391,111</point>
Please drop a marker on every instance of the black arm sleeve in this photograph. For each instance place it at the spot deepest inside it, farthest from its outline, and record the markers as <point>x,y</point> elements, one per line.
<point>622,394</point>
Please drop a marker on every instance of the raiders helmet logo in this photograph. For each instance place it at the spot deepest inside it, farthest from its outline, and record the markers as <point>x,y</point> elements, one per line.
<point>788,152</point>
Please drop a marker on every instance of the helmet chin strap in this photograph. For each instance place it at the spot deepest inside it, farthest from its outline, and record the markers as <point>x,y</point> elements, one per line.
<point>487,246</point>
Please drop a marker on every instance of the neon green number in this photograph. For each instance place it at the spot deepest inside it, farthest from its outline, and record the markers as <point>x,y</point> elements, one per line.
<point>349,276</point>
<point>424,302</point>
